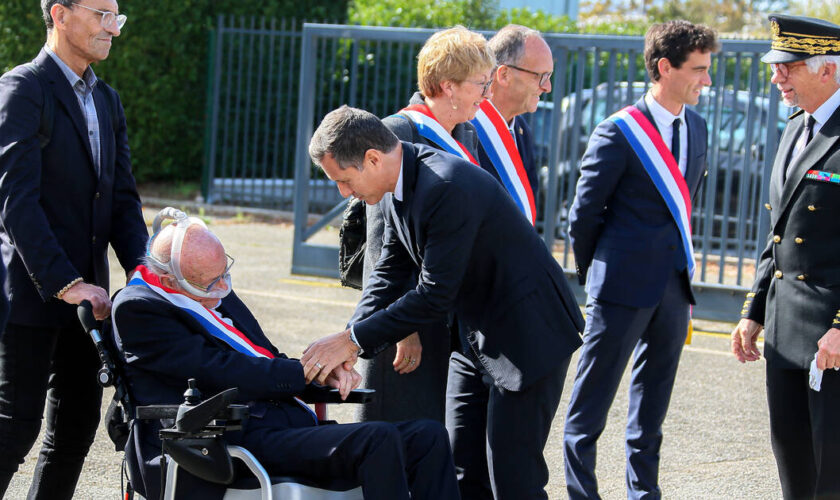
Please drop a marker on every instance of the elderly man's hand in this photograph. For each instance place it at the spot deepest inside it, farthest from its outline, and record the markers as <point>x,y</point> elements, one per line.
<point>324,355</point>
<point>828,355</point>
<point>344,380</point>
<point>744,338</point>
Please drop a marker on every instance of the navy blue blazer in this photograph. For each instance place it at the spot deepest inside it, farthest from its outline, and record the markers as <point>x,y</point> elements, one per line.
<point>525,145</point>
<point>621,231</point>
<point>477,257</point>
<point>58,216</point>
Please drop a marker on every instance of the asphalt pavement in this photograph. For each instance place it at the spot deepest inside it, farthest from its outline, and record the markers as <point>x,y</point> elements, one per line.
<point>716,436</point>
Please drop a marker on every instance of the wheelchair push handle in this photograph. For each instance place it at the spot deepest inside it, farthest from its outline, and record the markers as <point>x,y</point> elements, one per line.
<point>105,376</point>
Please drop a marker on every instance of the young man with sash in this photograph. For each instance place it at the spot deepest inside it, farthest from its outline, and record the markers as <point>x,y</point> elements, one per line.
<point>631,235</point>
<point>178,318</point>
<point>506,148</point>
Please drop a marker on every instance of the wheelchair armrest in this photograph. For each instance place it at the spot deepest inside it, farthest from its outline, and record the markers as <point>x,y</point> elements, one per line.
<point>156,412</point>
<point>233,412</point>
<point>322,394</point>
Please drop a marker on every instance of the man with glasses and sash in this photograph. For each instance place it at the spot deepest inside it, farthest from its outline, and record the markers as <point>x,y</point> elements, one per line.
<point>506,147</point>
<point>631,235</point>
<point>795,298</point>
<point>66,192</point>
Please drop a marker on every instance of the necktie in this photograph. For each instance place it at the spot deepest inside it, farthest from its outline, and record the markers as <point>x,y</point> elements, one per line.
<point>675,142</point>
<point>804,139</point>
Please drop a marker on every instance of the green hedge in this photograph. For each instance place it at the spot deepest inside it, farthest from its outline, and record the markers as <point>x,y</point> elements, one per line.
<point>159,66</point>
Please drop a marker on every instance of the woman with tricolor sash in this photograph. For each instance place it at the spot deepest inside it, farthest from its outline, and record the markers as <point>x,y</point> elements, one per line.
<point>454,71</point>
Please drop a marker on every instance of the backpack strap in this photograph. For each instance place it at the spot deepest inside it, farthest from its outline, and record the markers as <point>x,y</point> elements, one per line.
<point>48,108</point>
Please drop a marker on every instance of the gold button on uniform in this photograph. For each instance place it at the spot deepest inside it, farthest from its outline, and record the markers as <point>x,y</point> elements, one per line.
<point>767,206</point>
<point>778,274</point>
<point>811,208</point>
<point>798,240</point>
<point>777,238</point>
<point>802,277</point>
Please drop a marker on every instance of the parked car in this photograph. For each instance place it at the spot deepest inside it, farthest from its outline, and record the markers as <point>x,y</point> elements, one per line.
<point>738,146</point>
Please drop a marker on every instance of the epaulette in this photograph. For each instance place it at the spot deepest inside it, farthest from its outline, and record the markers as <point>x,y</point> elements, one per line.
<point>791,117</point>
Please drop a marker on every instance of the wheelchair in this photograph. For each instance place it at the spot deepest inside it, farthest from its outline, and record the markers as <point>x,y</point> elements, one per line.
<point>195,460</point>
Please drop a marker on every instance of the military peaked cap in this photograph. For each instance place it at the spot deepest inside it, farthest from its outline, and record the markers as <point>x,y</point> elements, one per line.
<point>796,38</point>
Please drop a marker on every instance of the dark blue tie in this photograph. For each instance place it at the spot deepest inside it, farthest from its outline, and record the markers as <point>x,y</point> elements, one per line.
<point>675,142</point>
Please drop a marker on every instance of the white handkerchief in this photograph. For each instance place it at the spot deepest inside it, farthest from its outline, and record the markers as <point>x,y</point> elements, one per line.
<point>815,378</point>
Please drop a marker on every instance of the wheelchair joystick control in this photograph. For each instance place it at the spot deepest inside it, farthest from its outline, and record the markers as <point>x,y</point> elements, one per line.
<point>192,396</point>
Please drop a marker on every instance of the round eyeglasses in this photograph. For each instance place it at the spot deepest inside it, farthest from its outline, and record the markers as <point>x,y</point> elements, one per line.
<point>783,69</point>
<point>485,86</point>
<point>109,19</point>
<point>544,77</point>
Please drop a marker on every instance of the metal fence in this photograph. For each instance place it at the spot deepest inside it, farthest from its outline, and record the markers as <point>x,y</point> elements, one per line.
<point>375,68</point>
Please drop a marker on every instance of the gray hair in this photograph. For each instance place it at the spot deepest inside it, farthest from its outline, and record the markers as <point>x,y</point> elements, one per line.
<point>347,133</point>
<point>46,6</point>
<point>816,62</point>
<point>509,43</point>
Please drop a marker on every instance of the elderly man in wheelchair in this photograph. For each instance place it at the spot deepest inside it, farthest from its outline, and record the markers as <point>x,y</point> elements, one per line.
<point>178,319</point>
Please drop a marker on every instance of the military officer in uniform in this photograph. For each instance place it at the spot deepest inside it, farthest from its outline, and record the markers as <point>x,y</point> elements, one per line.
<point>796,294</point>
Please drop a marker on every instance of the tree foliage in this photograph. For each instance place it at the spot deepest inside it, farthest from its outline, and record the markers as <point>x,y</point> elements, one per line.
<point>159,66</point>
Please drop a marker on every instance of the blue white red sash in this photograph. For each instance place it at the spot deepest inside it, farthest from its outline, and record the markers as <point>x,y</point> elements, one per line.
<point>498,143</point>
<point>430,128</point>
<point>208,318</point>
<point>662,169</point>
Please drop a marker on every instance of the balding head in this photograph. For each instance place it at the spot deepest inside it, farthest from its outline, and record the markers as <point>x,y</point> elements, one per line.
<point>202,258</point>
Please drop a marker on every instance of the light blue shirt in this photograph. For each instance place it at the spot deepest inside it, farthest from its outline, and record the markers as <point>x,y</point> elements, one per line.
<point>83,88</point>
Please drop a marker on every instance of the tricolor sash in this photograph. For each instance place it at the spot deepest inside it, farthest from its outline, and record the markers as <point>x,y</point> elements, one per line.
<point>212,323</point>
<point>498,143</point>
<point>430,128</point>
<point>663,170</point>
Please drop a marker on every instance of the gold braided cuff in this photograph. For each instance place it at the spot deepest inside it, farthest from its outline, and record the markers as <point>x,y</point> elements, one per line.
<point>747,303</point>
<point>68,286</point>
<point>836,322</point>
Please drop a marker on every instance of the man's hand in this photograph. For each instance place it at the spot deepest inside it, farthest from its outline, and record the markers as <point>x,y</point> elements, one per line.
<point>828,356</point>
<point>744,338</point>
<point>324,355</point>
<point>344,380</point>
<point>409,350</point>
<point>97,296</point>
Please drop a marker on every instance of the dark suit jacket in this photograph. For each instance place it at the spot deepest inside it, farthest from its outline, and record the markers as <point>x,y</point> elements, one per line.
<point>161,347</point>
<point>58,216</point>
<point>796,293</point>
<point>622,232</point>
<point>477,257</point>
<point>525,145</point>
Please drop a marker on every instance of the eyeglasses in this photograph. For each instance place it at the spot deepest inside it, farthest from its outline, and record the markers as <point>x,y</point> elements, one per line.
<point>544,77</point>
<point>485,86</point>
<point>108,17</point>
<point>783,69</point>
<point>224,276</point>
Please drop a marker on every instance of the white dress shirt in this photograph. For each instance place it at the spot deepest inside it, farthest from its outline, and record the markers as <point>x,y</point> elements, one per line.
<point>665,123</point>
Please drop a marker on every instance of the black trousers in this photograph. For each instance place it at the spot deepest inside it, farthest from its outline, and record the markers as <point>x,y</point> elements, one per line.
<point>56,365</point>
<point>388,460</point>
<point>804,432</point>
<point>498,436</point>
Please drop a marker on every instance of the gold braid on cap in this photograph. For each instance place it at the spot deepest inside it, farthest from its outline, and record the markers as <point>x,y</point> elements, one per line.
<point>798,42</point>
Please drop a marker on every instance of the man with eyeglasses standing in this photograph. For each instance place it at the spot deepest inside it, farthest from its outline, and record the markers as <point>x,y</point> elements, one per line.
<point>796,294</point>
<point>506,148</point>
<point>506,151</point>
<point>66,192</point>
<point>630,231</point>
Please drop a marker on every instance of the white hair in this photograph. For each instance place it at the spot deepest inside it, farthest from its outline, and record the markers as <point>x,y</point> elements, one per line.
<point>817,62</point>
